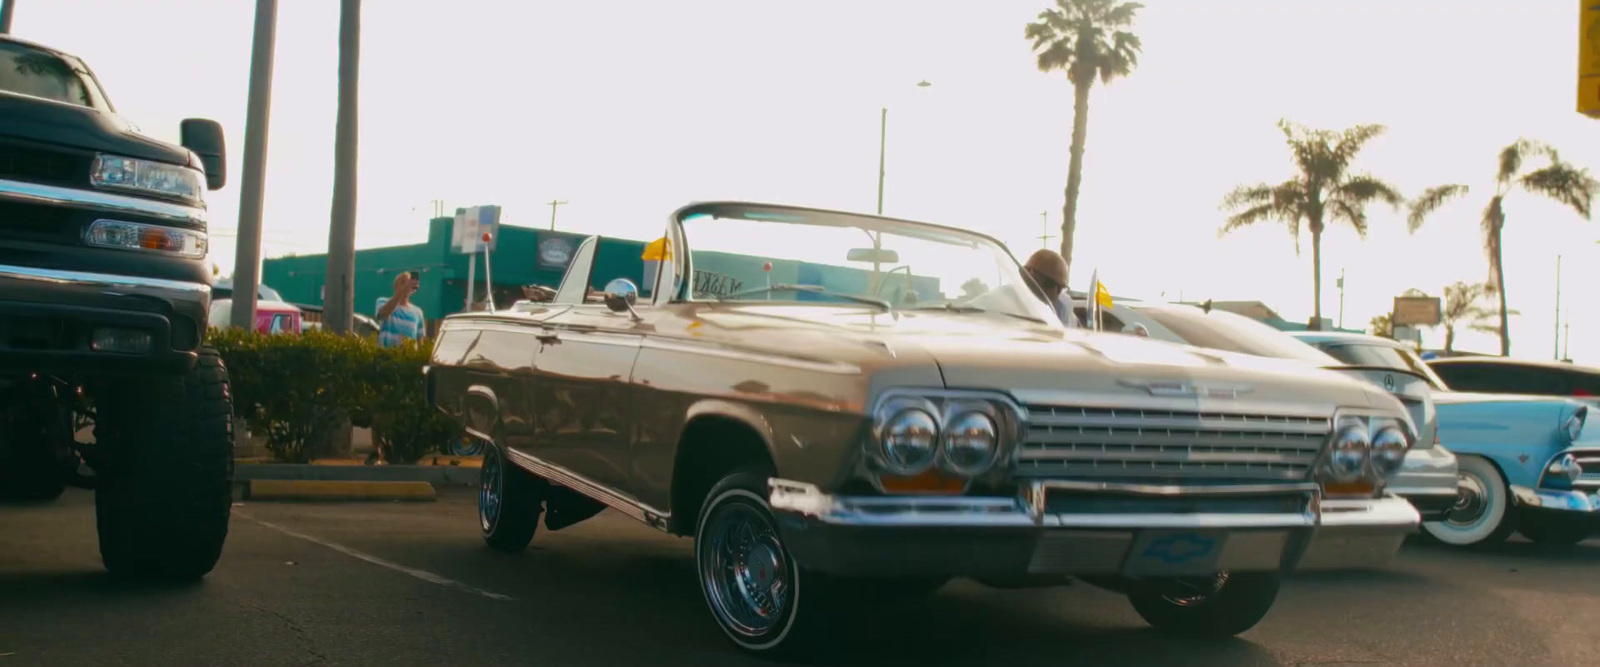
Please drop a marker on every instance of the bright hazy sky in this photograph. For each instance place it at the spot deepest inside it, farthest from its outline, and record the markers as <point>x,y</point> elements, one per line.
<point>628,109</point>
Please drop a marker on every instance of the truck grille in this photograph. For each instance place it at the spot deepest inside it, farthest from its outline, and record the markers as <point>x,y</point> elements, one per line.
<point>1589,460</point>
<point>24,162</point>
<point>1158,444</point>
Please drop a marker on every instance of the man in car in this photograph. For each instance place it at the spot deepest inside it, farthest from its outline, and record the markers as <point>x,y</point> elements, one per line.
<point>1049,271</point>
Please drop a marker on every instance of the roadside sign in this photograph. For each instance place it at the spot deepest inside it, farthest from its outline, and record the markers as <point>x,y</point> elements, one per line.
<point>1589,58</point>
<point>1416,311</point>
<point>471,224</point>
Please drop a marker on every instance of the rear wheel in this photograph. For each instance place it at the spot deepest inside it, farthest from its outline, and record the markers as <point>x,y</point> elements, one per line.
<point>509,500</point>
<point>1482,514</point>
<point>164,493</point>
<point>1554,530</point>
<point>1216,607</point>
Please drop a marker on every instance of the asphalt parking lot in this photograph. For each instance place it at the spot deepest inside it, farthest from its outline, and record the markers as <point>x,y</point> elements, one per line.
<point>411,584</point>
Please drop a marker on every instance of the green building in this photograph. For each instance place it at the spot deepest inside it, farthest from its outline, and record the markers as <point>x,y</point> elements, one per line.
<point>522,256</point>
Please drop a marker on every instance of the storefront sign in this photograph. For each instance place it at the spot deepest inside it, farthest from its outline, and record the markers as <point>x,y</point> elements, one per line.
<point>555,253</point>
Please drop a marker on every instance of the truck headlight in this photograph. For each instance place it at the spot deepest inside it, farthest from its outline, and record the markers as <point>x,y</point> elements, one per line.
<point>908,441</point>
<point>971,440</point>
<point>149,178</point>
<point>155,238</point>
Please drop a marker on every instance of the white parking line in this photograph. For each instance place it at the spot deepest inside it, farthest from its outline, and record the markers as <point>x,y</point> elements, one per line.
<point>420,574</point>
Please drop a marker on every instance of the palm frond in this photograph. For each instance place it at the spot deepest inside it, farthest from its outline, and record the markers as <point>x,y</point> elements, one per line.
<point>1563,183</point>
<point>1352,140</point>
<point>1123,56</point>
<point>1364,188</point>
<point>1429,201</point>
<point>1122,14</point>
<point>1512,157</point>
<point>1248,195</point>
<point>1350,212</point>
<point>1247,217</point>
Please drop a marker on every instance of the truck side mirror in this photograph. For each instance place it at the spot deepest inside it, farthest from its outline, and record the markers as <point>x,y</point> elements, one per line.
<point>204,137</point>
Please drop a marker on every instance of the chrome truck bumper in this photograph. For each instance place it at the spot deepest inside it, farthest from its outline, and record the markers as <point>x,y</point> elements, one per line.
<point>1079,528</point>
<point>49,319</point>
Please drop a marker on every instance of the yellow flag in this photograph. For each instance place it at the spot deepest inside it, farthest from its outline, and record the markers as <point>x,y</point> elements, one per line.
<point>657,250</point>
<point>1102,295</point>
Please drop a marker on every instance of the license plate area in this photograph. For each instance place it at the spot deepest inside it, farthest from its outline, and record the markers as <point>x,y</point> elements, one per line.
<point>1175,553</point>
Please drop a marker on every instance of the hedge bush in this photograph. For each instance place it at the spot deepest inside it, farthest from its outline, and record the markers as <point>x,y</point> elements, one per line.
<point>295,388</point>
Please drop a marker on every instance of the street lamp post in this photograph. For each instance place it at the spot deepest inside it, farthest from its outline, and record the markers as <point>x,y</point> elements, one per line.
<point>883,144</point>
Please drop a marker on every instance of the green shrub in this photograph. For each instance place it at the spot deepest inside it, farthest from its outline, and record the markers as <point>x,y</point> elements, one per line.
<point>295,388</point>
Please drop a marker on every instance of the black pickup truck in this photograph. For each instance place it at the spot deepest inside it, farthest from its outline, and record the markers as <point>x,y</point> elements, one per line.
<point>104,293</point>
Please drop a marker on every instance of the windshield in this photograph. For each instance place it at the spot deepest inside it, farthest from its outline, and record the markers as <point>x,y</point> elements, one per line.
<point>1221,330</point>
<point>37,73</point>
<point>837,259</point>
<point>1383,356</point>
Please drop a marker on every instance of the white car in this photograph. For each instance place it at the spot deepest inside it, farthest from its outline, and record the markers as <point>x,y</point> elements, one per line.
<point>1428,478</point>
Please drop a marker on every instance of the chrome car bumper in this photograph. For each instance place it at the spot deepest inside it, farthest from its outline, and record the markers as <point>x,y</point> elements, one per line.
<point>1428,479</point>
<point>995,536</point>
<point>1556,500</point>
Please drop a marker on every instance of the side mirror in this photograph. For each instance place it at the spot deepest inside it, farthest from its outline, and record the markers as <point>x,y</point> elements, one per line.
<point>621,294</point>
<point>204,137</point>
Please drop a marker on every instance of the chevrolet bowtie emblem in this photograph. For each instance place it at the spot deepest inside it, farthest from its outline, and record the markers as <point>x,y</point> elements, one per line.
<point>1185,389</point>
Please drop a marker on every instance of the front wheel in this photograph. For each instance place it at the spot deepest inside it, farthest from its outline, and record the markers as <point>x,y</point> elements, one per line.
<point>1482,514</point>
<point>164,495</point>
<point>1562,531</point>
<point>760,597</point>
<point>509,501</point>
<point>1215,607</point>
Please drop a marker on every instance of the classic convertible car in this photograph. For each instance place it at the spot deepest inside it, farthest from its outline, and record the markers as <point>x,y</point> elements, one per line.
<point>839,407</point>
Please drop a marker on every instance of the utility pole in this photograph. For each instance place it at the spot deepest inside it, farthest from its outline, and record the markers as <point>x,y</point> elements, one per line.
<point>252,188</point>
<point>1046,236</point>
<point>883,145</point>
<point>553,205</point>
<point>339,308</point>
<point>7,7</point>
<point>1566,336</point>
<point>1557,351</point>
<point>1341,298</point>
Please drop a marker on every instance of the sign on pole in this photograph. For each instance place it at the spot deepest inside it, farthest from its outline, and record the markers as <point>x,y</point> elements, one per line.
<point>471,224</point>
<point>1416,311</point>
<point>1589,58</point>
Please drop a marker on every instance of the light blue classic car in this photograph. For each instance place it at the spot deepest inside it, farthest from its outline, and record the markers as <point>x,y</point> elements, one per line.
<point>1521,459</point>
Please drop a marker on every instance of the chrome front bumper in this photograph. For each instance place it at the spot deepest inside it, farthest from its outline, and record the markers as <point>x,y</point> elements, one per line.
<point>1428,479</point>
<point>997,536</point>
<point>1553,500</point>
<point>69,304</point>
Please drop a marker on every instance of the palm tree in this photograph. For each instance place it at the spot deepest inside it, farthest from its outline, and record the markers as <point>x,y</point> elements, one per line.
<point>1557,180</point>
<point>1087,40</point>
<point>1324,188</point>
<point>1461,307</point>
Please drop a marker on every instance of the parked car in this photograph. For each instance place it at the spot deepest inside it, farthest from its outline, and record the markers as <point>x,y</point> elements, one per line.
<point>272,317</point>
<point>1498,375</point>
<point>224,290</point>
<point>104,292</point>
<point>1527,463</point>
<point>1427,478</point>
<point>826,441</point>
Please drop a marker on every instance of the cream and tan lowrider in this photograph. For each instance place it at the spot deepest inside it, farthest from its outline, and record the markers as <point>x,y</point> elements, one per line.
<point>832,404</point>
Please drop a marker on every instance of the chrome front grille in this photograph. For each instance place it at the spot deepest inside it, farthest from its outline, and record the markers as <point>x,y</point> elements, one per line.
<point>1076,442</point>
<point>1589,460</point>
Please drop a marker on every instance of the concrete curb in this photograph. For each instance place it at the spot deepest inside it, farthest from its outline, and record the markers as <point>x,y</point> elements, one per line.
<point>280,489</point>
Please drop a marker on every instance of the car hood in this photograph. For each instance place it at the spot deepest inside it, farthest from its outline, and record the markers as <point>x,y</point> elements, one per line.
<point>51,122</point>
<point>1034,361</point>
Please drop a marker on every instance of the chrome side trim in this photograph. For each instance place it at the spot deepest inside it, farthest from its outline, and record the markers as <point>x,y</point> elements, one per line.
<point>559,475</point>
<point>53,195</point>
<point>104,280</point>
<point>1178,490</point>
<point>715,350</point>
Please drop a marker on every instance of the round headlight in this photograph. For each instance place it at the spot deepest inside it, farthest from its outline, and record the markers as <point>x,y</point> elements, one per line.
<point>1388,450</point>
<point>910,439</point>
<point>1348,458</point>
<point>970,443</point>
<point>1565,468</point>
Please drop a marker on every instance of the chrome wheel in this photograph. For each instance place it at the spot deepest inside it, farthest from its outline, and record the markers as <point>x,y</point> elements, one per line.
<point>1473,499</point>
<point>491,489</point>
<point>745,570</point>
<point>1195,591</point>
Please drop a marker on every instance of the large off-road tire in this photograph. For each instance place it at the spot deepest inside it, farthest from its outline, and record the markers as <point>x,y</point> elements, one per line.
<point>1557,531</point>
<point>763,600</point>
<point>509,501</point>
<point>1211,608</point>
<point>164,494</point>
<point>1483,515</point>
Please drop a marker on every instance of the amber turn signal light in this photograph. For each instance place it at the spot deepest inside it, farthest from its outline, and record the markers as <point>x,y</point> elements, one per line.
<point>931,481</point>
